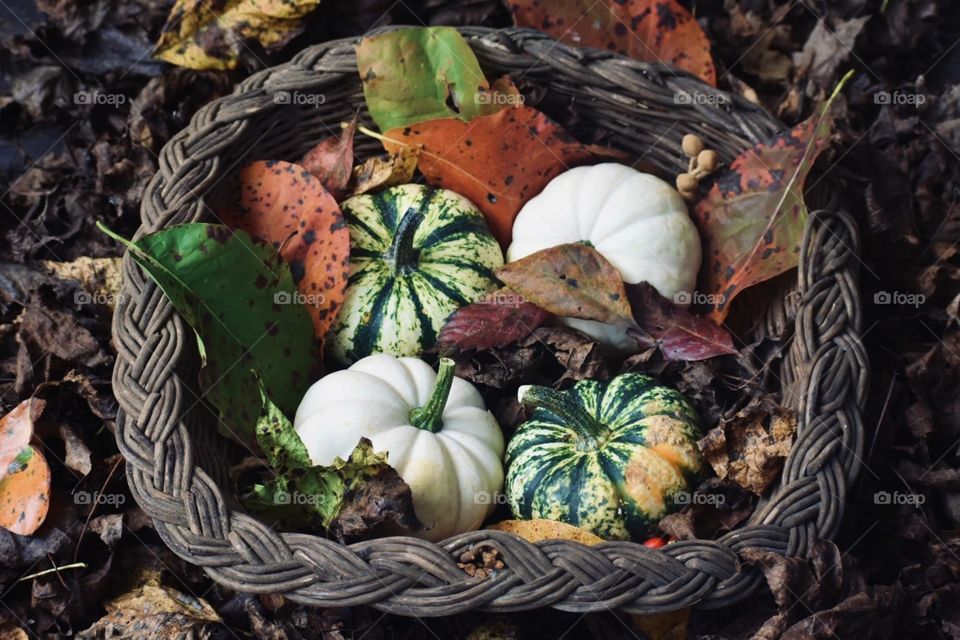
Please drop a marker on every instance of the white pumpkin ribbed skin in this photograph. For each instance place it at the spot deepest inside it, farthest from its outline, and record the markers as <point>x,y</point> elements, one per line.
<point>635,220</point>
<point>446,471</point>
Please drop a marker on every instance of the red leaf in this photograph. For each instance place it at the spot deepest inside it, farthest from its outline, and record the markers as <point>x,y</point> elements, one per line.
<point>498,161</point>
<point>679,334</point>
<point>647,30</point>
<point>331,161</point>
<point>282,203</point>
<point>752,218</point>
<point>499,319</point>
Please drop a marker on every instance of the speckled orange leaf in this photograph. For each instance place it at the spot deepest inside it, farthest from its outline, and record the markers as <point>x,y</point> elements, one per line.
<point>16,429</point>
<point>647,30</point>
<point>25,492</point>
<point>752,219</point>
<point>284,204</point>
<point>498,161</point>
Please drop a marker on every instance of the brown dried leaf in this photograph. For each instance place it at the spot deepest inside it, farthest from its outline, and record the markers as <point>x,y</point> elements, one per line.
<point>379,173</point>
<point>750,448</point>
<point>498,319</point>
<point>331,160</point>
<point>539,529</point>
<point>382,502</point>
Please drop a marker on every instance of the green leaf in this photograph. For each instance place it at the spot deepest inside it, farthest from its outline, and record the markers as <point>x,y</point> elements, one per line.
<point>278,439</point>
<point>224,283</point>
<point>421,73</point>
<point>301,497</point>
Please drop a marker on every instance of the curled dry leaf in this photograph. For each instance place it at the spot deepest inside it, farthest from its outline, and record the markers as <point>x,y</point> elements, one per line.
<point>571,280</point>
<point>498,319</point>
<point>331,160</point>
<point>648,30</point>
<point>539,529</point>
<point>679,334</point>
<point>284,204</point>
<point>750,448</point>
<point>498,161</point>
<point>379,173</point>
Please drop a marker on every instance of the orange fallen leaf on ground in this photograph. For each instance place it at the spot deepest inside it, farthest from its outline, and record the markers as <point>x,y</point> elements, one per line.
<point>284,204</point>
<point>647,30</point>
<point>24,472</point>
<point>498,161</point>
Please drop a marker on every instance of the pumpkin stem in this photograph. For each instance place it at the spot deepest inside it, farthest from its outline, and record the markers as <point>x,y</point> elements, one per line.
<point>429,416</point>
<point>401,255</point>
<point>565,407</point>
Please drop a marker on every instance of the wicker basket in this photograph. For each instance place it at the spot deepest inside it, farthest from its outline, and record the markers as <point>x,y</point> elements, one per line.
<point>175,462</point>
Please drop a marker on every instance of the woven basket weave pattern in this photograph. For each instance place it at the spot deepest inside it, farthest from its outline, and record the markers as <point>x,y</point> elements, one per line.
<point>174,462</point>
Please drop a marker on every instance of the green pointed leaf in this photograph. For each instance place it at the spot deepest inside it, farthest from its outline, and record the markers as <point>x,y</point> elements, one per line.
<point>422,73</point>
<point>278,439</point>
<point>225,284</point>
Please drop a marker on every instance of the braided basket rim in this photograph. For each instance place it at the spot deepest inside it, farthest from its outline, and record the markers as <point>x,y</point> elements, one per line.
<point>169,459</point>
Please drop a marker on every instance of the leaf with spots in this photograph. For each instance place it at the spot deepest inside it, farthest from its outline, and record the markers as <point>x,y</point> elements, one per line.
<point>680,335</point>
<point>571,280</point>
<point>331,160</point>
<point>379,173</point>
<point>203,35</point>
<point>24,473</point>
<point>498,161</point>
<point>231,289</point>
<point>498,319</point>
<point>421,73</point>
<point>284,204</point>
<point>646,30</point>
<point>752,219</point>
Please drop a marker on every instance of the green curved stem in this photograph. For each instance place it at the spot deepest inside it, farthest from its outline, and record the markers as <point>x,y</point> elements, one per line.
<point>401,254</point>
<point>429,417</point>
<point>564,406</point>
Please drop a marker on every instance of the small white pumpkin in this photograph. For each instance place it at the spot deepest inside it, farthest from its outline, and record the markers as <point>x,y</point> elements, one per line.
<point>437,433</point>
<point>635,220</point>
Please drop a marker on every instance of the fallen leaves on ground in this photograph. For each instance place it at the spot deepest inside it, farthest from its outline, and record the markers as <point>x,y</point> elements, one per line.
<point>498,161</point>
<point>200,35</point>
<point>284,204</point>
<point>649,30</point>
<point>750,448</point>
<point>99,277</point>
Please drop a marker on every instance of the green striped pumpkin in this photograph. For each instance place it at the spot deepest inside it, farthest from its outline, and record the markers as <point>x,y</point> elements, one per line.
<point>417,254</point>
<point>610,458</point>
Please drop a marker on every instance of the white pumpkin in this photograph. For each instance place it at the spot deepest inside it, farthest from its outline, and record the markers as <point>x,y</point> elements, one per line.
<point>437,433</point>
<point>635,220</point>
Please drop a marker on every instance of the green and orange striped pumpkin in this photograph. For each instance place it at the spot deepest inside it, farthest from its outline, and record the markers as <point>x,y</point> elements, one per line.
<point>417,254</point>
<point>608,457</point>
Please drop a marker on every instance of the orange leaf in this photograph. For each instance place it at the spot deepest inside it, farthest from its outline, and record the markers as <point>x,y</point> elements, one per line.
<point>538,529</point>
<point>282,203</point>
<point>25,493</point>
<point>16,428</point>
<point>647,30</point>
<point>498,161</point>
